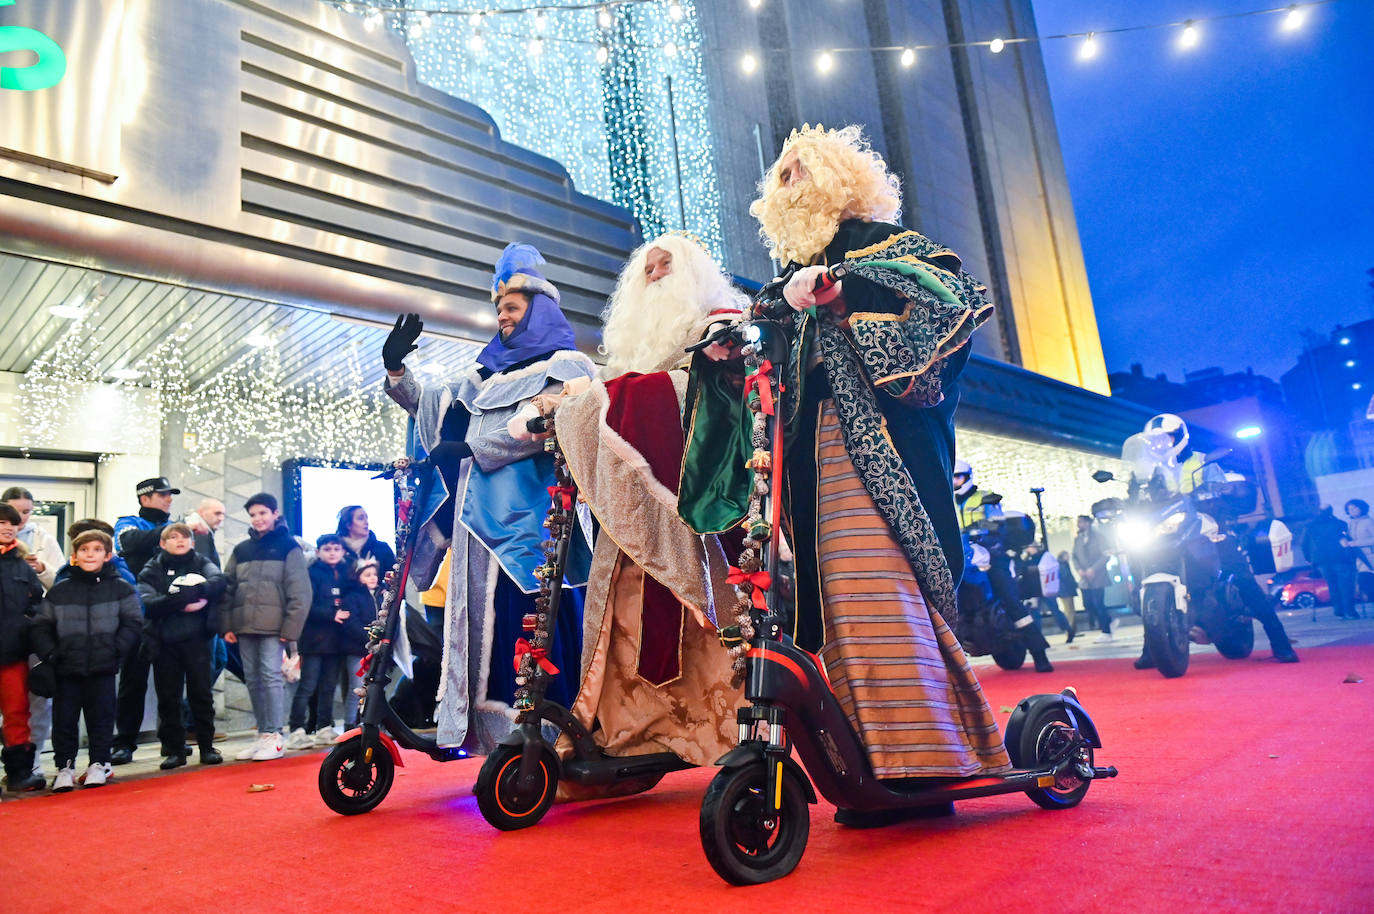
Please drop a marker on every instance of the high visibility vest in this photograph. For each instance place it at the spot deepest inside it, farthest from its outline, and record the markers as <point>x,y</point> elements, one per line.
<point>973,511</point>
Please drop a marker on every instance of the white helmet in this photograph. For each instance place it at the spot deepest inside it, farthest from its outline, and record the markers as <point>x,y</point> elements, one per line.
<point>961,467</point>
<point>1171,425</point>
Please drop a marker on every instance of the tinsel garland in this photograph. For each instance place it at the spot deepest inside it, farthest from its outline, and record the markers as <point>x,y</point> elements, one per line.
<point>749,576</point>
<point>392,583</point>
<point>532,666</point>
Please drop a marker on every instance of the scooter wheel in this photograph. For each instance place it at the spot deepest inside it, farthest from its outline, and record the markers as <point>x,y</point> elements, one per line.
<point>499,797</point>
<point>1043,737</point>
<point>746,841</point>
<point>350,786</point>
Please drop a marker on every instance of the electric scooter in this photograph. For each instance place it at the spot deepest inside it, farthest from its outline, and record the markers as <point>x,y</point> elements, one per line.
<point>358,772</point>
<point>519,779</point>
<point>754,819</point>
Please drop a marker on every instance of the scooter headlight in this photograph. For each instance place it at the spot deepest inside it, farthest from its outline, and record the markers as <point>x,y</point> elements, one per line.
<point>1134,534</point>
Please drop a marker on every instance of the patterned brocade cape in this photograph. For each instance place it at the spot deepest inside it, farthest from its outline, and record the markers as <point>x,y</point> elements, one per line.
<point>869,402</point>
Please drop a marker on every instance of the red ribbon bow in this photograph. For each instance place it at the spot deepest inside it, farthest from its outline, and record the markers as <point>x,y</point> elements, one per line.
<point>564,494</point>
<point>538,654</point>
<point>759,379</point>
<point>365,665</point>
<point>761,580</point>
<point>403,512</point>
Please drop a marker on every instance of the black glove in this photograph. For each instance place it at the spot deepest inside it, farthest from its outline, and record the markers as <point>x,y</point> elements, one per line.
<point>190,593</point>
<point>400,342</point>
<point>43,679</point>
<point>448,454</point>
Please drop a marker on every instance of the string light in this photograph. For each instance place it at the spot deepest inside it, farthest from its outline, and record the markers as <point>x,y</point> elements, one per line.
<point>748,63</point>
<point>1088,49</point>
<point>675,11</point>
<point>475,42</point>
<point>996,45</point>
<point>670,49</point>
<point>1294,19</point>
<point>475,20</point>
<point>755,4</point>
<point>535,47</point>
<point>908,57</point>
<point>567,102</point>
<point>604,19</point>
<point>1189,37</point>
<point>825,62</point>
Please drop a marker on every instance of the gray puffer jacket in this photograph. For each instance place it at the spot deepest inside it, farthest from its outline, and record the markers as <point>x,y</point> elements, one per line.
<point>269,586</point>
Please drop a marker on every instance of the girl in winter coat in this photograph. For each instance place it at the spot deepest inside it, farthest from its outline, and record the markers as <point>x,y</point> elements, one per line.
<point>319,646</point>
<point>88,623</point>
<point>361,602</point>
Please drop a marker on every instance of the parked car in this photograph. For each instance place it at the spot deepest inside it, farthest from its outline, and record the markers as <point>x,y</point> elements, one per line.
<point>1300,588</point>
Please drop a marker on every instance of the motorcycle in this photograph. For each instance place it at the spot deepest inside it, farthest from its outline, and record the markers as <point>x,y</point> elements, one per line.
<point>993,619</point>
<point>755,820</point>
<point>1186,591</point>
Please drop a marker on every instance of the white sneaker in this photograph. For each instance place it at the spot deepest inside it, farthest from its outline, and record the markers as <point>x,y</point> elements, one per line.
<point>1104,638</point>
<point>246,754</point>
<point>97,773</point>
<point>299,739</point>
<point>271,745</point>
<point>65,780</point>
<point>326,737</point>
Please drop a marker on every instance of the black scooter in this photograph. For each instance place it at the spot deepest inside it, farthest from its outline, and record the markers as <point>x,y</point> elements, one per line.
<point>519,780</point>
<point>754,819</point>
<point>358,772</point>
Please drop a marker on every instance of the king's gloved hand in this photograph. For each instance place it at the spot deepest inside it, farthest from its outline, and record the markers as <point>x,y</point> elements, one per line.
<point>400,342</point>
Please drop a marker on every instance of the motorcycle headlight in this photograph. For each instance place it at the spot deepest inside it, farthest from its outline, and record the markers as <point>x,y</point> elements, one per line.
<point>1169,526</point>
<point>1132,533</point>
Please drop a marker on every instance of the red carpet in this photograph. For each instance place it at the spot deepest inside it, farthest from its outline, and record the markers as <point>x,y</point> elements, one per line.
<point>1244,786</point>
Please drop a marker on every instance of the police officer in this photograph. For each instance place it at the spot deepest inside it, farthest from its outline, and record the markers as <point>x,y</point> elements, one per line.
<point>974,505</point>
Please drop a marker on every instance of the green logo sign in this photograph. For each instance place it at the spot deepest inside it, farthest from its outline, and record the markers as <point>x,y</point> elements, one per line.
<point>46,73</point>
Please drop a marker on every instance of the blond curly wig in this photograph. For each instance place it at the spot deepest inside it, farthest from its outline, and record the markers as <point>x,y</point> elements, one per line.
<point>845,179</point>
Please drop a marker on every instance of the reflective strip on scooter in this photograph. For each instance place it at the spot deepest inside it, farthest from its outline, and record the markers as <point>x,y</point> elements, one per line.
<point>777,791</point>
<point>1022,622</point>
<point>1045,780</point>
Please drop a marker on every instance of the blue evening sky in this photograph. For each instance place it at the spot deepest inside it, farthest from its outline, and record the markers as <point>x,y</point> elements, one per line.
<point>1225,196</point>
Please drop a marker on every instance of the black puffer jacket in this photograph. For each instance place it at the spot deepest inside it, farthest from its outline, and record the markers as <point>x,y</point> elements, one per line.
<point>166,620</point>
<point>20,594</point>
<point>361,605</point>
<point>321,634</point>
<point>88,622</point>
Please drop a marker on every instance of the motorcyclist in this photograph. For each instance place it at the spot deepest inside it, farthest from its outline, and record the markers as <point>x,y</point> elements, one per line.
<point>974,505</point>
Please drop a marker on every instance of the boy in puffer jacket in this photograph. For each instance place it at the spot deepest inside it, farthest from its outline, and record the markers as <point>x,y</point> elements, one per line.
<point>86,625</point>
<point>319,646</point>
<point>20,594</point>
<point>181,590</point>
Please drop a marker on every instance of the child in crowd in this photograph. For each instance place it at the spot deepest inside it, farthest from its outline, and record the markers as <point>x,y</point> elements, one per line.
<point>181,590</point>
<point>319,645</point>
<point>20,595</point>
<point>361,602</point>
<point>268,600</point>
<point>86,625</point>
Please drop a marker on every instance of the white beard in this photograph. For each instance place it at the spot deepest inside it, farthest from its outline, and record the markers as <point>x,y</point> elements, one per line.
<point>647,328</point>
